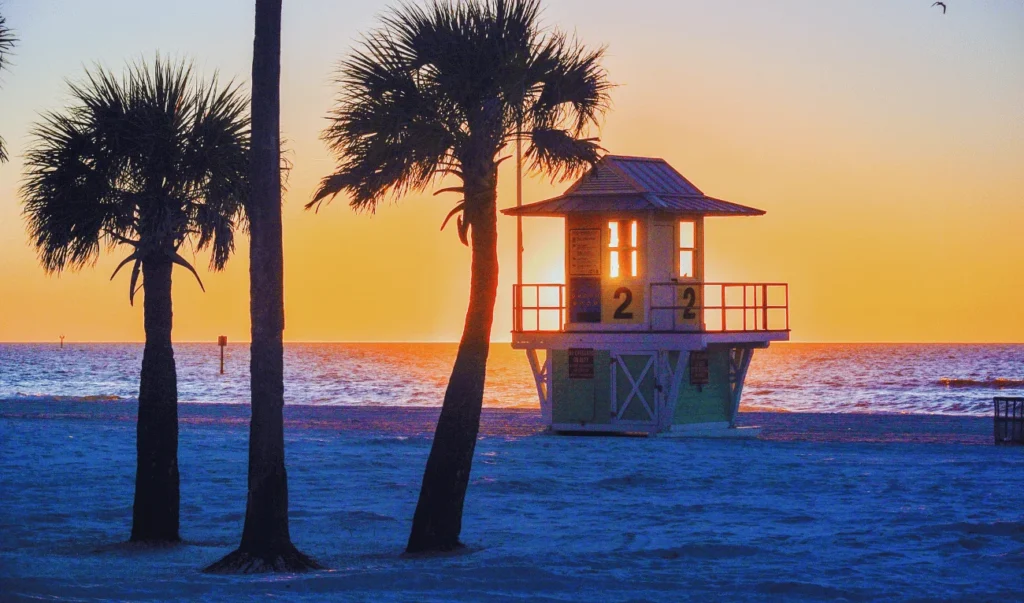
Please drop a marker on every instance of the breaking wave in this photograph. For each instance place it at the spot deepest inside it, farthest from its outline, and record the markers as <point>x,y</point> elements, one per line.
<point>981,383</point>
<point>45,398</point>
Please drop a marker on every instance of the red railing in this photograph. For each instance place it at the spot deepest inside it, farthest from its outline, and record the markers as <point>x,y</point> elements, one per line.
<point>719,307</point>
<point>674,307</point>
<point>538,308</point>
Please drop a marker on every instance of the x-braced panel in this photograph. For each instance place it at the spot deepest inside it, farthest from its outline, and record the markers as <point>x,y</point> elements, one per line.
<point>634,384</point>
<point>674,376</point>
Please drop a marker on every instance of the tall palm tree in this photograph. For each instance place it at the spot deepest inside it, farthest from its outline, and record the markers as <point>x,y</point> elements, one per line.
<point>150,161</point>
<point>7,41</point>
<point>266,542</point>
<point>443,91</point>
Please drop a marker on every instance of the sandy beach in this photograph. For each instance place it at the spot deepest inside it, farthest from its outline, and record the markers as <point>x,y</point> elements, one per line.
<point>820,507</point>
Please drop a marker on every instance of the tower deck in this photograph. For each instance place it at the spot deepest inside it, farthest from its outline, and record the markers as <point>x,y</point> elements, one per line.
<point>680,369</point>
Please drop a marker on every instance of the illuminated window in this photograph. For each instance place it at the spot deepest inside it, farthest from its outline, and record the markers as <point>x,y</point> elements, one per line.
<point>618,247</point>
<point>632,244</point>
<point>687,247</point>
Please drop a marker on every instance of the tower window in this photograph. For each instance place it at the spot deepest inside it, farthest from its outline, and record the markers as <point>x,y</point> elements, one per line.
<point>619,249</point>
<point>687,247</point>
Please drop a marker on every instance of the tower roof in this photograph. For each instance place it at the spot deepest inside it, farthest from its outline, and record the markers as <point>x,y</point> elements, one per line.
<point>620,183</point>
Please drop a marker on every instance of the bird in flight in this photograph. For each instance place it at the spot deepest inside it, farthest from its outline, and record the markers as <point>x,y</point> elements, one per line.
<point>942,4</point>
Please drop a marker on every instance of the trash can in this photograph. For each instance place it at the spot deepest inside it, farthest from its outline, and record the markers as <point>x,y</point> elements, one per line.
<point>1008,426</point>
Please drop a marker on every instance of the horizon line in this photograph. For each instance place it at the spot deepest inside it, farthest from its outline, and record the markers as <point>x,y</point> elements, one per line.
<point>426,341</point>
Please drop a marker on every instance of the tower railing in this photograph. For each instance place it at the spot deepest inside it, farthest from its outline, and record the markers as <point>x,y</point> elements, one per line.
<point>538,308</point>
<point>719,307</point>
<point>683,307</point>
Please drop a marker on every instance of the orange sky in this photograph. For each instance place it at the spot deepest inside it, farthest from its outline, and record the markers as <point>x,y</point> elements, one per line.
<point>884,140</point>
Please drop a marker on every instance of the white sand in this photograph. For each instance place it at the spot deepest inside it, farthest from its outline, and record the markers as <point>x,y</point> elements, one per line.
<point>817,509</point>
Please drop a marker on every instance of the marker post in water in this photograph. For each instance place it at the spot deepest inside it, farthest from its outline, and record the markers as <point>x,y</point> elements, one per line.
<point>222,341</point>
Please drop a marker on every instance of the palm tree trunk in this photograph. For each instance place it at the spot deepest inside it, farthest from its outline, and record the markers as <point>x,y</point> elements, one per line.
<point>155,513</point>
<point>437,522</point>
<point>266,543</point>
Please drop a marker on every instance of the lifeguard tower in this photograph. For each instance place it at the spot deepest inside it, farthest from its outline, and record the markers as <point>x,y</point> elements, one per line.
<point>637,341</point>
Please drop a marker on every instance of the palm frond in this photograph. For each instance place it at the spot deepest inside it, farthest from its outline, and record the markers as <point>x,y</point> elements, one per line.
<point>560,154</point>
<point>7,41</point>
<point>68,200</point>
<point>390,132</point>
<point>177,259</point>
<point>573,86</point>
<point>458,209</point>
<point>217,151</point>
<point>133,287</point>
<point>134,257</point>
<point>152,159</point>
<point>438,86</point>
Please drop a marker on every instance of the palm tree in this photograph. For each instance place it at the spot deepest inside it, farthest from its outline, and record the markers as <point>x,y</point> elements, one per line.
<point>443,91</point>
<point>7,41</point>
<point>266,543</point>
<point>151,161</point>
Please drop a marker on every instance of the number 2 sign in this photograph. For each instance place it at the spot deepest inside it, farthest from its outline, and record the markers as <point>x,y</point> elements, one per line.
<point>623,303</point>
<point>689,301</point>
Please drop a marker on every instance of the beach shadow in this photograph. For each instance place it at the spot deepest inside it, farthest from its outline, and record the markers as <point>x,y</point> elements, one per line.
<point>462,551</point>
<point>135,548</point>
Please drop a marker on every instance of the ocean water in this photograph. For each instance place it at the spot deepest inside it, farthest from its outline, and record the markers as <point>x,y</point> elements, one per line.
<point>845,378</point>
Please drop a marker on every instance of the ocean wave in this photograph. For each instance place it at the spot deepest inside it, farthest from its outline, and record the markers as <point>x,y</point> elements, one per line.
<point>47,397</point>
<point>784,378</point>
<point>744,407</point>
<point>981,383</point>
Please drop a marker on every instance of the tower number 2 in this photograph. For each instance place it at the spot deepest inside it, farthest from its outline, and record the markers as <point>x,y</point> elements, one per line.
<point>620,312</point>
<point>689,299</point>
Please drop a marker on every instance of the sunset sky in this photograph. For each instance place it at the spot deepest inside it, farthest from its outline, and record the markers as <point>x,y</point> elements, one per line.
<point>884,139</point>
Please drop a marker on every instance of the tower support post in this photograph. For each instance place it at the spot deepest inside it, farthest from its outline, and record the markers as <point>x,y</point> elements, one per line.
<point>542,378</point>
<point>739,362</point>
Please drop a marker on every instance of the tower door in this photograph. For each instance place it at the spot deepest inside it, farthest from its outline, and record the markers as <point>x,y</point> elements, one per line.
<point>662,263</point>
<point>634,379</point>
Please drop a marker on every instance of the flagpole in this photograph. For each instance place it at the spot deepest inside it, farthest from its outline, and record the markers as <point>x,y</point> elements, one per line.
<point>519,201</point>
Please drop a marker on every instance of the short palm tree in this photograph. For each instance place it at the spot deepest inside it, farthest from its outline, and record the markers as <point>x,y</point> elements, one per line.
<point>443,91</point>
<point>151,161</point>
<point>7,41</point>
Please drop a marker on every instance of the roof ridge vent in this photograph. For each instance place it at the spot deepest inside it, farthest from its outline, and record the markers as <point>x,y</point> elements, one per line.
<point>603,179</point>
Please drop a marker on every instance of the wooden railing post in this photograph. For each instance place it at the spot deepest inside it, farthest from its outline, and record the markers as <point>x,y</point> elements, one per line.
<point>722,302</point>
<point>539,306</point>
<point>515,308</point>
<point>561,307</point>
<point>787,306</point>
<point>764,305</point>
<point>745,308</point>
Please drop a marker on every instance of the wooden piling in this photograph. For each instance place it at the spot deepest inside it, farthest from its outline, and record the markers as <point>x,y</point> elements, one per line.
<point>222,341</point>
